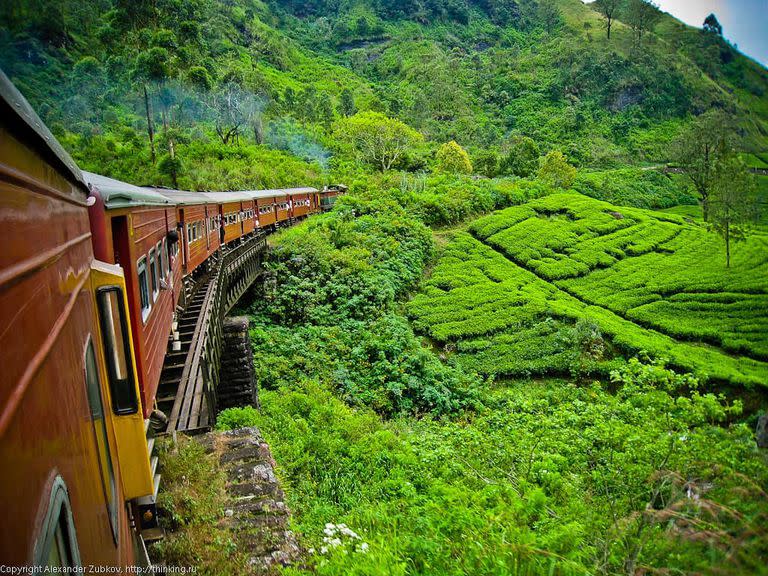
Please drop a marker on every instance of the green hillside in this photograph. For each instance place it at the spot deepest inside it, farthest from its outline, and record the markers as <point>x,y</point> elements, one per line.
<point>530,289</point>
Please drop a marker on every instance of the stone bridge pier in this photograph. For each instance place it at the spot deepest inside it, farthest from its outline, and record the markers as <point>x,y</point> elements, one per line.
<point>237,378</point>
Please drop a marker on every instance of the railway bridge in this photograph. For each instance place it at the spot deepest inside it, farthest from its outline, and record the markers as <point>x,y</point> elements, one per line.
<point>189,383</point>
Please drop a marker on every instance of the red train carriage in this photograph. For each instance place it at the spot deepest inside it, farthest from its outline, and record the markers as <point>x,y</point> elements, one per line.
<point>301,201</point>
<point>266,215</point>
<point>71,431</point>
<point>199,226</point>
<point>135,227</point>
<point>282,208</point>
<point>238,213</point>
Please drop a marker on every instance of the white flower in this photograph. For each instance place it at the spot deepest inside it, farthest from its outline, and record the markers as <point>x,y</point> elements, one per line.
<point>324,550</point>
<point>335,542</point>
<point>311,550</point>
<point>363,547</point>
<point>347,532</point>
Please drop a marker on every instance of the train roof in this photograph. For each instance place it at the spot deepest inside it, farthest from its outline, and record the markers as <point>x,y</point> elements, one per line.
<point>181,197</point>
<point>117,194</point>
<point>19,114</point>
<point>251,194</point>
<point>222,197</point>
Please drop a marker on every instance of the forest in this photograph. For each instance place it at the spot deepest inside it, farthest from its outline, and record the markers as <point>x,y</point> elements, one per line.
<point>531,339</point>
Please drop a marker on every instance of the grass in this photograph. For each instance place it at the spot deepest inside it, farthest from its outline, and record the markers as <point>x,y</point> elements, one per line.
<point>191,502</point>
<point>522,291</point>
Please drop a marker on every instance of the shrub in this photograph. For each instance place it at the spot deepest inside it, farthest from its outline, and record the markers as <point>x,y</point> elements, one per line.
<point>521,157</point>
<point>198,76</point>
<point>453,159</point>
<point>556,171</point>
<point>238,417</point>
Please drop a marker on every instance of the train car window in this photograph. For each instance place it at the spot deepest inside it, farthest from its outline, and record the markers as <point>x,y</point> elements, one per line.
<point>57,543</point>
<point>99,423</point>
<point>154,274</point>
<point>166,257</point>
<point>146,304</point>
<point>160,259</point>
<point>114,328</point>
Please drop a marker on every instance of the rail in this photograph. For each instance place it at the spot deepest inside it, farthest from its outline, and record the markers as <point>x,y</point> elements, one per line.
<point>231,275</point>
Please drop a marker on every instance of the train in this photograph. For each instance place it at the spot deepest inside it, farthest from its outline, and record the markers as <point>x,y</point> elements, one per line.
<point>92,277</point>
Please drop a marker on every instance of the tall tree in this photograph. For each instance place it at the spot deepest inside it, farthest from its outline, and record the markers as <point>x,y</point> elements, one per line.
<point>698,149</point>
<point>732,204</point>
<point>550,15</point>
<point>376,139</point>
<point>346,103</point>
<point>711,24</point>
<point>609,9</point>
<point>642,16</point>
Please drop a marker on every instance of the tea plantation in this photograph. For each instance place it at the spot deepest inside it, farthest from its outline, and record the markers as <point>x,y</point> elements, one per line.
<point>569,284</point>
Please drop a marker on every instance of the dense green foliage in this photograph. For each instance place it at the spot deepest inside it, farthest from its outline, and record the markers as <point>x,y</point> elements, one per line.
<point>337,280</point>
<point>507,298</point>
<point>635,187</point>
<point>524,477</point>
<point>549,479</point>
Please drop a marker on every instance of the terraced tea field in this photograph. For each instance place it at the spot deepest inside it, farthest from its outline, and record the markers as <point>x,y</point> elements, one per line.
<point>566,283</point>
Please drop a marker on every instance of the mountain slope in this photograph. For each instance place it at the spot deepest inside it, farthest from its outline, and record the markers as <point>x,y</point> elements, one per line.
<point>475,71</point>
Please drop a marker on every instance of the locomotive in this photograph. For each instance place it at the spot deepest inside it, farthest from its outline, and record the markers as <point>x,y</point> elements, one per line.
<point>92,272</point>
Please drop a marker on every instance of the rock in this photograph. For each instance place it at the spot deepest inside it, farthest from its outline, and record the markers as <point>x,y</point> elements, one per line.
<point>761,433</point>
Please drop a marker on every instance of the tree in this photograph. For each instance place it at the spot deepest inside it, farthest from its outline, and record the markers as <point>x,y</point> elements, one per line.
<point>376,139</point>
<point>521,157</point>
<point>487,163</point>
<point>453,159</point>
<point>608,9</point>
<point>731,206</point>
<point>556,171</point>
<point>699,148</point>
<point>549,14</point>
<point>170,165</point>
<point>346,103</point>
<point>198,76</point>
<point>234,108</point>
<point>712,25</point>
<point>325,109</point>
<point>152,64</point>
<point>642,16</point>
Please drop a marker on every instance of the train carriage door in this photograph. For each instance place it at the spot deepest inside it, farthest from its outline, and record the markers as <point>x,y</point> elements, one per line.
<point>101,437</point>
<point>184,240</point>
<point>122,393</point>
<point>222,223</point>
<point>207,219</point>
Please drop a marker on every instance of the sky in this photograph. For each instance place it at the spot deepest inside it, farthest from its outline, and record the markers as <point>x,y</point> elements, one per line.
<point>744,22</point>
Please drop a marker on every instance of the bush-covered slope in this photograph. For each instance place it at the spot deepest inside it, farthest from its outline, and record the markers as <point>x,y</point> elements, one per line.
<point>568,283</point>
